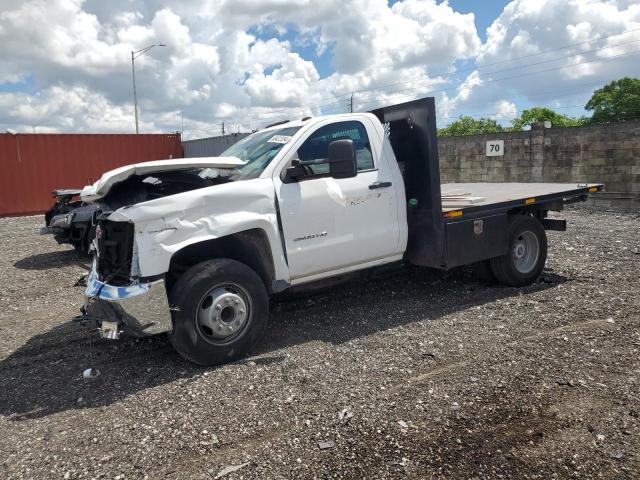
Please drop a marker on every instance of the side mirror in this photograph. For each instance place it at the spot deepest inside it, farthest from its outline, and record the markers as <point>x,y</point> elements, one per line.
<point>294,172</point>
<point>342,159</point>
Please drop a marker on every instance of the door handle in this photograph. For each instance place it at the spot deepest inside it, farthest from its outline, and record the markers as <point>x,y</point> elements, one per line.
<point>375,185</point>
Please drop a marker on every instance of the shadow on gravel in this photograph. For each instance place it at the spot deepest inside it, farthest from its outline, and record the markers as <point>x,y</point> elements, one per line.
<point>44,376</point>
<point>49,260</point>
<point>360,308</point>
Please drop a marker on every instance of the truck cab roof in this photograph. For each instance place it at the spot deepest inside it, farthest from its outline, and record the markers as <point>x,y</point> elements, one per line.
<point>316,119</point>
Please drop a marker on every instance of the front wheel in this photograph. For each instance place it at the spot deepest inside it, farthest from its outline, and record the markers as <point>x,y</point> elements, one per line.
<point>220,309</point>
<point>527,254</point>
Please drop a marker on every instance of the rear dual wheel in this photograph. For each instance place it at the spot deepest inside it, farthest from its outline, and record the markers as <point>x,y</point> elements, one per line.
<point>526,255</point>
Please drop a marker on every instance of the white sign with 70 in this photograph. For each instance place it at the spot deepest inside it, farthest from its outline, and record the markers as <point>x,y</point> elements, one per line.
<point>495,148</point>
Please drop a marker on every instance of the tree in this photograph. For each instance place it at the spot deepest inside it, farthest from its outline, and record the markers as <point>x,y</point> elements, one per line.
<point>542,114</point>
<point>466,125</point>
<point>619,101</point>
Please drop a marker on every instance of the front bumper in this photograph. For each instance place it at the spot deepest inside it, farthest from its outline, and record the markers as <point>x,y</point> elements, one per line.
<point>139,309</point>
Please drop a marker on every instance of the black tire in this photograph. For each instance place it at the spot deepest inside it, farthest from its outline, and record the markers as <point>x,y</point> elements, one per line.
<point>511,269</point>
<point>82,246</point>
<point>483,271</point>
<point>79,248</point>
<point>193,296</point>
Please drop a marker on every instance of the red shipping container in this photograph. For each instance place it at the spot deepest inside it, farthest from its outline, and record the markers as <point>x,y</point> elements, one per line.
<point>32,165</point>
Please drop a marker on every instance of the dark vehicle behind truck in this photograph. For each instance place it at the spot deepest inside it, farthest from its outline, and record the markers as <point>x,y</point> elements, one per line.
<point>70,220</point>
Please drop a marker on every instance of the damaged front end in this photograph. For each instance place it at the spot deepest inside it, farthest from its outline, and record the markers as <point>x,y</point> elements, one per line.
<point>150,212</point>
<point>117,297</point>
<point>114,302</point>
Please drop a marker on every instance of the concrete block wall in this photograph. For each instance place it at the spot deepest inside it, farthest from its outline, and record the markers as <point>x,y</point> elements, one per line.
<point>608,154</point>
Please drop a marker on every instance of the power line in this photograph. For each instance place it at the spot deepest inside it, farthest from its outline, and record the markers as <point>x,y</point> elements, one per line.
<point>336,102</point>
<point>564,93</point>
<point>519,75</point>
<point>479,115</point>
<point>366,95</point>
<point>479,67</point>
<point>636,52</point>
<point>563,47</point>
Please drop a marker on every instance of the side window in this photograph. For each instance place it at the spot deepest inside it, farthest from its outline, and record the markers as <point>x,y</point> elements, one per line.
<point>316,147</point>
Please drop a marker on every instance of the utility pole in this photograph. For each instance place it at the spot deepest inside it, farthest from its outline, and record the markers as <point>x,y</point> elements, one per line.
<point>223,129</point>
<point>135,94</point>
<point>135,54</point>
<point>181,123</point>
<point>350,105</point>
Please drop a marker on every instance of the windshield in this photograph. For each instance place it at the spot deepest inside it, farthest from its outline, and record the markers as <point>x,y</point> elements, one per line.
<point>257,151</point>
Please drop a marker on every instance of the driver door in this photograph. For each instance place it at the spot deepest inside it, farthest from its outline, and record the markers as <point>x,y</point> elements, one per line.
<point>330,223</point>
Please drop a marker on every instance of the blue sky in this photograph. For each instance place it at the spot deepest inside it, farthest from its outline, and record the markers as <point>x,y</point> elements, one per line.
<point>485,12</point>
<point>66,64</point>
<point>25,85</point>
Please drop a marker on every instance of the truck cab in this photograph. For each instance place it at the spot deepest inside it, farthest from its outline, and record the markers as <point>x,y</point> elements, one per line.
<point>195,247</point>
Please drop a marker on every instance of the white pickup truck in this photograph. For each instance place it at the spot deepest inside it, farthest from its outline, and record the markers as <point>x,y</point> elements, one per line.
<point>195,247</point>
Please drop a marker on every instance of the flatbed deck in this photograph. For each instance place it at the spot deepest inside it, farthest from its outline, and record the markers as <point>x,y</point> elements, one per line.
<point>456,224</point>
<point>467,197</point>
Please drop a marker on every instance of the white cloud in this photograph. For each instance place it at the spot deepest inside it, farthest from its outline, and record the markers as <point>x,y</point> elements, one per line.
<point>287,85</point>
<point>504,110</point>
<point>75,109</point>
<point>528,28</point>
<point>214,68</point>
<point>447,105</point>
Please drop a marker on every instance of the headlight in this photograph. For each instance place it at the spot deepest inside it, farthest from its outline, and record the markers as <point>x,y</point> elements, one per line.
<point>62,220</point>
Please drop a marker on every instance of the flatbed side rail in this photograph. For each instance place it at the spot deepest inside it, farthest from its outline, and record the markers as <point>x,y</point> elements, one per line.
<point>552,201</point>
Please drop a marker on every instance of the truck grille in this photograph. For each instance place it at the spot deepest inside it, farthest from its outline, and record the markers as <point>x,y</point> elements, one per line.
<point>115,250</point>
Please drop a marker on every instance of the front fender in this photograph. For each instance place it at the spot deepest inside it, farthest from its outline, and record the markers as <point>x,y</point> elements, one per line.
<point>169,224</point>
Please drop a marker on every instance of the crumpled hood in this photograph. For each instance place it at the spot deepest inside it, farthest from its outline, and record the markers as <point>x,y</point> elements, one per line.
<point>66,192</point>
<point>91,193</point>
<point>164,226</point>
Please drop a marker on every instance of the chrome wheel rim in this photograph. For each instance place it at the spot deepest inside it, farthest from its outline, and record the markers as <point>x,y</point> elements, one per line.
<point>223,313</point>
<point>525,252</point>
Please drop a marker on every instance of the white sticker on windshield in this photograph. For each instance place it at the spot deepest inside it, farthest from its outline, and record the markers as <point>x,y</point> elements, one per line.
<point>279,139</point>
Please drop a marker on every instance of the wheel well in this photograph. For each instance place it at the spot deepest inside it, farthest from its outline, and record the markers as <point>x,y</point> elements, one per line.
<point>250,247</point>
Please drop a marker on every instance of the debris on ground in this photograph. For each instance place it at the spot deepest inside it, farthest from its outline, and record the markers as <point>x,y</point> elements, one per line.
<point>326,445</point>
<point>345,415</point>
<point>230,469</point>
<point>563,382</point>
<point>90,373</point>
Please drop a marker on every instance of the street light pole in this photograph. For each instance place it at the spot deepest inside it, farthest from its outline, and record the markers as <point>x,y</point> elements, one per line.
<point>135,54</point>
<point>135,94</point>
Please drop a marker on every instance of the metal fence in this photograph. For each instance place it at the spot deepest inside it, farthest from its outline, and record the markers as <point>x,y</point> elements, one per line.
<point>32,165</point>
<point>210,146</point>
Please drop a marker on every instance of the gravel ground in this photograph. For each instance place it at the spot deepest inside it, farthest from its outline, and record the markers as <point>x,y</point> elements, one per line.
<point>413,374</point>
